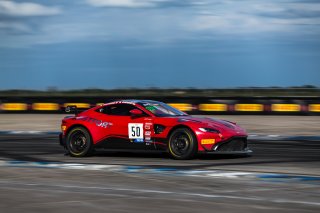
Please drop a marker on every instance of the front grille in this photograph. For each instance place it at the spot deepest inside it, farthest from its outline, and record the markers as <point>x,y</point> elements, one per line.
<point>235,144</point>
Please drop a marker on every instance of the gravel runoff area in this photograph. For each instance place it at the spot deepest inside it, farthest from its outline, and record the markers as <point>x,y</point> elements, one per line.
<point>254,124</point>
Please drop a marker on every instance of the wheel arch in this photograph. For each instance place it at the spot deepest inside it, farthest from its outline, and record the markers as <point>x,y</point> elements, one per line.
<point>194,148</point>
<point>181,126</point>
<point>78,125</point>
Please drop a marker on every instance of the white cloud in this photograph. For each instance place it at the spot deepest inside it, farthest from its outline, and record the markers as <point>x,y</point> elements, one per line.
<point>234,18</point>
<point>120,3</point>
<point>26,9</point>
<point>160,26</point>
<point>310,7</point>
<point>125,3</point>
<point>15,26</point>
<point>235,24</point>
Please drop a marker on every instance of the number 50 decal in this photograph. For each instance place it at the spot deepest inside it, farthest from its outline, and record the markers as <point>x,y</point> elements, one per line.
<point>135,130</point>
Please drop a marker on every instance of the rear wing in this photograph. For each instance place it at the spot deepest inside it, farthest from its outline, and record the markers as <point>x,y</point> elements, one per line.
<point>72,109</point>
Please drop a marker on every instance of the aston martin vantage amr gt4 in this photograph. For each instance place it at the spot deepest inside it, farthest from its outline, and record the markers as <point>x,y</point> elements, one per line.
<point>149,125</point>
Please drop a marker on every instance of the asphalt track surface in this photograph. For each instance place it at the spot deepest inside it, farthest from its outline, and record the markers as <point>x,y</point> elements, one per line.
<point>36,176</point>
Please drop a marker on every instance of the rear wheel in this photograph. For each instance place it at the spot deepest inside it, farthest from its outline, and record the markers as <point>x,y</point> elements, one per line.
<point>79,142</point>
<point>182,144</point>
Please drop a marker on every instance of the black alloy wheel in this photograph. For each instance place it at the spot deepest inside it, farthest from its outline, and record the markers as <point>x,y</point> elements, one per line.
<point>182,144</point>
<point>79,142</point>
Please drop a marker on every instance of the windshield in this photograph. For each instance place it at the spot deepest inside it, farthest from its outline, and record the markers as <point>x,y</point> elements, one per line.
<point>161,109</point>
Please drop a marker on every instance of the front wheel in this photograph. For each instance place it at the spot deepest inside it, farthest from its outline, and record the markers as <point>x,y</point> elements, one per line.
<point>182,144</point>
<point>79,142</point>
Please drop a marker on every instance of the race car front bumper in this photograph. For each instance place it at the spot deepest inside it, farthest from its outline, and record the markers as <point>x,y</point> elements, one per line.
<point>235,145</point>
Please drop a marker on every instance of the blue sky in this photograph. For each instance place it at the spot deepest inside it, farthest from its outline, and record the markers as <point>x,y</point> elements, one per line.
<point>159,43</point>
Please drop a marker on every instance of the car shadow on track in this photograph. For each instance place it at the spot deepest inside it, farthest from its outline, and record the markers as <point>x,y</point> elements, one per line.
<point>163,155</point>
<point>201,161</point>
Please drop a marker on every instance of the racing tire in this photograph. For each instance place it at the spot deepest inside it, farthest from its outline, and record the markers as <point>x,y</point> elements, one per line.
<point>79,143</point>
<point>182,144</point>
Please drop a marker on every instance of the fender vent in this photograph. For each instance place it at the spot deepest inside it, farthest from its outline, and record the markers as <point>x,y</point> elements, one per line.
<point>158,128</point>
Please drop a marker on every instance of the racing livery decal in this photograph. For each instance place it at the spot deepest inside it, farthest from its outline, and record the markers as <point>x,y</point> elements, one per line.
<point>149,125</point>
<point>99,123</point>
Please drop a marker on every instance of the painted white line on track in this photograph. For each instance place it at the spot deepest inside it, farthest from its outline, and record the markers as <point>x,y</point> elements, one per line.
<point>230,174</point>
<point>273,136</point>
<point>26,132</point>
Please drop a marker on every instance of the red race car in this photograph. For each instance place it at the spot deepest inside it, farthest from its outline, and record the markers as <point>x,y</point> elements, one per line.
<point>149,125</point>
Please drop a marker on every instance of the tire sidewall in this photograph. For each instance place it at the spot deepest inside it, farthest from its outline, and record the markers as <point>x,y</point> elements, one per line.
<point>88,150</point>
<point>193,146</point>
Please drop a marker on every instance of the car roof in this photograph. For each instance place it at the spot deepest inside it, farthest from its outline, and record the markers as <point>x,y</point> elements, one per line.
<point>131,101</point>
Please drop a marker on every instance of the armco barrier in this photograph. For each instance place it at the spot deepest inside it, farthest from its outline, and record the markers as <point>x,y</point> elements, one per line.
<point>234,105</point>
<point>314,108</point>
<point>14,107</point>
<point>45,107</point>
<point>213,107</point>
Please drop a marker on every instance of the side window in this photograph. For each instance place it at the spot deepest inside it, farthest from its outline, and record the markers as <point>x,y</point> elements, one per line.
<point>117,109</point>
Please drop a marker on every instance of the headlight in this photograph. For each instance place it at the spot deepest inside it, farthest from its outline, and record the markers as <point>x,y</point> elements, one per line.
<point>210,130</point>
<point>63,128</point>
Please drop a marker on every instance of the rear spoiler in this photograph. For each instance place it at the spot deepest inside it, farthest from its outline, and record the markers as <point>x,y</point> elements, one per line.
<point>72,109</point>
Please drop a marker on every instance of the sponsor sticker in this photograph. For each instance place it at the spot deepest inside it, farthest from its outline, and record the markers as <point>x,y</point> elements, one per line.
<point>208,141</point>
<point>147,126</point>
<point>138,140</point>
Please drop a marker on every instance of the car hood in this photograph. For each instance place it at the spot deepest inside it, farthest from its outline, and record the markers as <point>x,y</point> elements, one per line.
<point>221,125</point>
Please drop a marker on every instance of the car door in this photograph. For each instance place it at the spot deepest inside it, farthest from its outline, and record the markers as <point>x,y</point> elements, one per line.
<point>127,131</point>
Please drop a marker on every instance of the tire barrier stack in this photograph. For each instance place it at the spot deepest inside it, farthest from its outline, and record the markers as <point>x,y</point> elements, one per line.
<point>223,106</point>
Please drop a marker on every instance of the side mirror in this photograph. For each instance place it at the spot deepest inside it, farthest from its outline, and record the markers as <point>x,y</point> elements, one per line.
<point>136,112</point>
